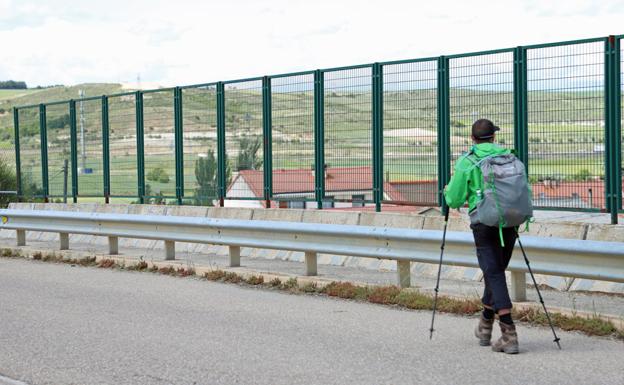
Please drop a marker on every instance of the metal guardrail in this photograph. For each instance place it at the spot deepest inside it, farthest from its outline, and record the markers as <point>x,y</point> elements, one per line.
<point>552,256</point>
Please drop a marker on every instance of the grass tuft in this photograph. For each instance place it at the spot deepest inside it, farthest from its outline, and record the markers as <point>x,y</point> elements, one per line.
<point>385,295</point>
<point>232,278</point>
<point>345,290</point>
<point>185,272</point>
<point>255,280</point>
<point>593,326</point>
<point>291,284</point>
<point>106,264</point>
<point>215,275</point>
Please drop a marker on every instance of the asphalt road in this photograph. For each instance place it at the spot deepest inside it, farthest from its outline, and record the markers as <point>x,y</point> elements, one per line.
<point>72,325</point>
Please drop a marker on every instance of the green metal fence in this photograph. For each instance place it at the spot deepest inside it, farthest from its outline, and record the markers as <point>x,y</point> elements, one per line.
<point>372,135</point>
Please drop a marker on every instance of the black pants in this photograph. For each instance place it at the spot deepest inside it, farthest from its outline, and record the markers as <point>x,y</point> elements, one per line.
<point>493,260</point>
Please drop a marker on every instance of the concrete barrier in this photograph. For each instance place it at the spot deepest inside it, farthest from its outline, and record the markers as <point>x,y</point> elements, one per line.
<point>230,213</point>
<point>613,233</point>
<point>331,217</point>
<point>289,215</point>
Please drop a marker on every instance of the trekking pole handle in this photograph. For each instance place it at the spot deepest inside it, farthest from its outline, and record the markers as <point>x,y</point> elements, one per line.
<point>445,211</point>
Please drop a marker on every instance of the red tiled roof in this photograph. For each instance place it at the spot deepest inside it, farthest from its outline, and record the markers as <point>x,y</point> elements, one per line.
<point>302,181</point>
<point>554,190</point>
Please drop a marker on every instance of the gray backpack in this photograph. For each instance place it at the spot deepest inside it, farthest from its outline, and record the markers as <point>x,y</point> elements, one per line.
<point>506,199</point>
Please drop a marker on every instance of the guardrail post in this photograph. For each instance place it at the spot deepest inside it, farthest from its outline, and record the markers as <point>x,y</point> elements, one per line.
<point>106,149</point>
<point>179,143</point>
<point>140,147</point>
<point>18,166</point>
<point>43,132</point>
<point>221,156</point>
<point>64,241</point>
<point>444,146</point>
<point>311,263</point>
<point>169,250</point>
<point>267,122</point>
<point>518,286</point>
<point>234,252</point>
<point>377,102</point>
<point>21,237</point>
<point>319,138</point>
<point>113,245</point>
<point>73,134</point>
<point>404,273</point>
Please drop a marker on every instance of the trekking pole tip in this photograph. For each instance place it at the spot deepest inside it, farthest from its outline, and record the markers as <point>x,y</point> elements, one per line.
<point>556,340</point>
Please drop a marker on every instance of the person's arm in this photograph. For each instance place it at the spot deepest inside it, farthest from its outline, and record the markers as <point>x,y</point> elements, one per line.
<point>456,192</point>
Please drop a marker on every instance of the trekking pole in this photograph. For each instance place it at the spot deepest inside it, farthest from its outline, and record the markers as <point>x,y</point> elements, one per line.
<point>557,339</point>
<point>435,298</point>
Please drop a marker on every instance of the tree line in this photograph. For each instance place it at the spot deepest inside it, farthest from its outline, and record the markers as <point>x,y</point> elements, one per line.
<point>12,85</point>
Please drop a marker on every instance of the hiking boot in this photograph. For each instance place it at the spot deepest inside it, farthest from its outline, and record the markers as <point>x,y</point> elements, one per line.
<point>508,342</point>
<point>483,331</point>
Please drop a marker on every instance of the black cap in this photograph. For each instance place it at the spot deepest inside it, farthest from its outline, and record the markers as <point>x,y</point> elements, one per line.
<point>483,129</point>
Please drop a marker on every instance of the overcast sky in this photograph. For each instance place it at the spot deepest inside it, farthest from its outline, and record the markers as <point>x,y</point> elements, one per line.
<point>183,42</point>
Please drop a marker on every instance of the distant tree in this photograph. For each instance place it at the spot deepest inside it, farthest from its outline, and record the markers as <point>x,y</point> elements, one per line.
<point>248,155</point>
<point>12,85</point>
<point>58,122</point>
<point>158,174</point>
<point>206,176</point>
<point>8,182</point>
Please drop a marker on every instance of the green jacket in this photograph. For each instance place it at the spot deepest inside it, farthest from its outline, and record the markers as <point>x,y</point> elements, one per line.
<point>467,181</point>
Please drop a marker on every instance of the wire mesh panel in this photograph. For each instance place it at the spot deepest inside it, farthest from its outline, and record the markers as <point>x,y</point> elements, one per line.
<point>59,150</point>
<point>123,148</point>
<point>159,144</point>
<point>243,140</point>
<point>348,134</point>
<point>30,152</point>
<point>480,87</point>
<point>89,136</point>
<point>566,125</point>
<point>410,132</point>
<point>199,116</point>
<point>292,102</point>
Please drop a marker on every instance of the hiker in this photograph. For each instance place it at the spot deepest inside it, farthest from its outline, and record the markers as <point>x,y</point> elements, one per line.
<point>494,234</point>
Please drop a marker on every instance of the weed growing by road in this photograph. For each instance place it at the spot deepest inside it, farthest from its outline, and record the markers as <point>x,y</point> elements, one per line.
<point>255,280</point>
<point>214,275</point>
<point>107,264</point>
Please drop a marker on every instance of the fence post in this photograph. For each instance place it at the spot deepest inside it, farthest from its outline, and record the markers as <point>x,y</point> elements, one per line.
<point>613,177</point>
<point>140,148</point>
<point>179,143</point>
<point>73,149</point>
<point>617,120</point>
<point>18,166</point>
<point>444,145</point>
<point>267,122</point>
<point>221,160</point>
<point>521,131</point>
<point>106,149</point>
<point>43,132</point>
<point>377,127</point>
<point>319,138</point>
